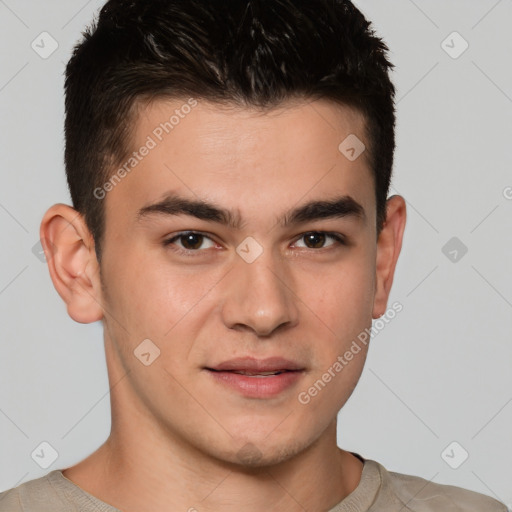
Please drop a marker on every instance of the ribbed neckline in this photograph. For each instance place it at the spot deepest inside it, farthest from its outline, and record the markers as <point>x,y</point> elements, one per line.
<point>364,495</point>
<point>86,501</point>
<point>359,500</point>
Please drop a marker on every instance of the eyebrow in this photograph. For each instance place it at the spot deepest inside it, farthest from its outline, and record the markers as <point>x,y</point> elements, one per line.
<point>173,204</point>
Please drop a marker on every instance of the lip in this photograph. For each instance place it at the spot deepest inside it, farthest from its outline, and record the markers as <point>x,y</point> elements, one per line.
<point>251,364</point>
<point>257,385</point>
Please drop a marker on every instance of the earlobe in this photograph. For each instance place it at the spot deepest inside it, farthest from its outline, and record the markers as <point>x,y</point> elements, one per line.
<point>74,270</point>
<point>389,245</point>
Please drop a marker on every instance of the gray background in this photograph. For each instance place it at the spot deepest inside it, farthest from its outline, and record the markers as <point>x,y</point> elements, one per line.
<point>438,373</point>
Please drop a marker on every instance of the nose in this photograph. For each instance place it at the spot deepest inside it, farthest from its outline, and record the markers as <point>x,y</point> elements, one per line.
<point>259,297</point>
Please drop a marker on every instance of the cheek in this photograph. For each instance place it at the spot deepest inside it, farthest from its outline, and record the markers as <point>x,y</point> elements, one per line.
<point>151,294</point>
<point>342,298</point>
<point>328,389</point>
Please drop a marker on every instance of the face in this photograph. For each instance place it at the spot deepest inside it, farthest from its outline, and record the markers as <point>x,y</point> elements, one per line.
<point>247,297</point>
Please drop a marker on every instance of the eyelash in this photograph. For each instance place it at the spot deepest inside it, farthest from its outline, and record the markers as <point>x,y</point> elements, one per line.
<point>340,240</point>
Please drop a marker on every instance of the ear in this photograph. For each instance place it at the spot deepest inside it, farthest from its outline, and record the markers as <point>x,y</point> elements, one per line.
<point>389,245</point>
<point>74,269</point>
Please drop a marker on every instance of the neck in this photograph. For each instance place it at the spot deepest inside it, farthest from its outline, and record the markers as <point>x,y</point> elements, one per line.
<point>133,474</point>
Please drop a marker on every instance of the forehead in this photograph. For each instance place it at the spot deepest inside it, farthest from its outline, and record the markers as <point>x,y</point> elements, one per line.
<point>208,122</point>
<point>233,155</point>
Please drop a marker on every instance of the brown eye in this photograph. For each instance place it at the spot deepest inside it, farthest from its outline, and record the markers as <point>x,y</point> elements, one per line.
<point>317,239</point>
<point>189,241</point>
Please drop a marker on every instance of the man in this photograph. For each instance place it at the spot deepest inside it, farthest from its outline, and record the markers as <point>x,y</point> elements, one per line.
<point>229,165</point>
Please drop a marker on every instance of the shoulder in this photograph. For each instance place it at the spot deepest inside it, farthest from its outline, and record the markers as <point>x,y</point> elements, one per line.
<point>37,495</point>
<point>417,494</point>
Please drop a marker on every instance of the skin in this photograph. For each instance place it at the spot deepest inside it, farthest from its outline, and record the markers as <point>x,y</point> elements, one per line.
<point>179,439</point>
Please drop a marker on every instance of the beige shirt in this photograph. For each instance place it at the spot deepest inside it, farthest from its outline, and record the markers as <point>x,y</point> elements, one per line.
<point>379,490</point>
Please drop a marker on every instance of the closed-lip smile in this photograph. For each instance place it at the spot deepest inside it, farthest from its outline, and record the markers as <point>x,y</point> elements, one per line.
<point>251,364</point>
<point>257,378</point>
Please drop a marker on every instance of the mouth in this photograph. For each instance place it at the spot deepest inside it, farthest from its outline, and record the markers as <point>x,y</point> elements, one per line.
<point>257,378</point>
<point>253,374</point>
<point>253,366</point>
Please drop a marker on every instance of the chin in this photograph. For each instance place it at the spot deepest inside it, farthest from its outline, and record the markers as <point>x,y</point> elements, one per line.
<point>254,455</point>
